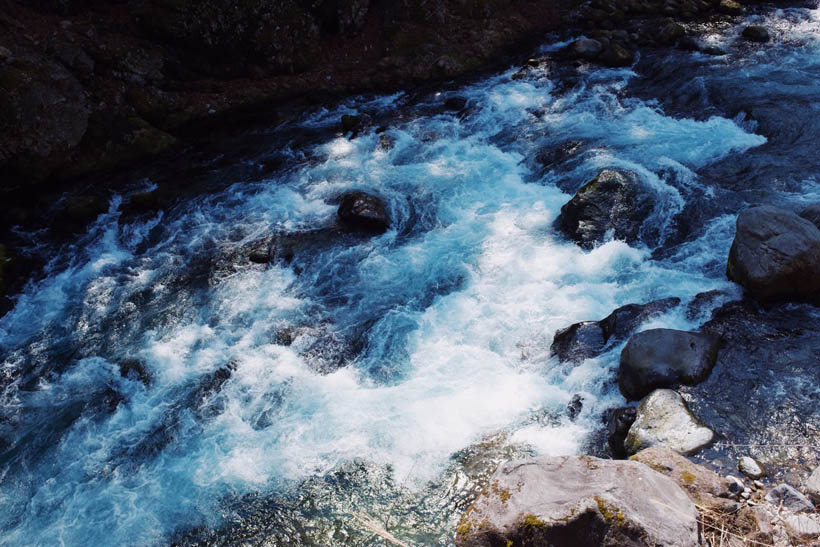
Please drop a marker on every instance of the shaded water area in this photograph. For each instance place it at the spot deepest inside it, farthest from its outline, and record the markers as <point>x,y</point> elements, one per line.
<point>158,387</point>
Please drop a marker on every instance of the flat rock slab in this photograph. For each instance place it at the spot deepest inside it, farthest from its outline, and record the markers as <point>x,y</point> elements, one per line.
<point>579,501</point>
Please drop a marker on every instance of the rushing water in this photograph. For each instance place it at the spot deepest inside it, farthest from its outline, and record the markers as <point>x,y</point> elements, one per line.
<point>158,387</point>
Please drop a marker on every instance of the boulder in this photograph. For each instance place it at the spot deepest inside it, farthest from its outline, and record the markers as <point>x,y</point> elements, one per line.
<point>664,358</point>
<point>85,209</point>
<point>812,214</point>
<point>665,419</point>
<point>776,255</point>
<point>749,467</point>
<point>704,486</point>
<point>802,527</point>
<point>671,33</point>
<point>363,212</point>
<point>585,49</point>
<point>456,104</point>
<point>613,200</point>
<point>813,485</point>
<point>588,339</point>
<point>756,33</point>
<point>786,496</point>
<point>579,500</point>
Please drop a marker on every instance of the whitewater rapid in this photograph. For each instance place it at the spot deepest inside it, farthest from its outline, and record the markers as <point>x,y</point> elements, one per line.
<point>451,311</point>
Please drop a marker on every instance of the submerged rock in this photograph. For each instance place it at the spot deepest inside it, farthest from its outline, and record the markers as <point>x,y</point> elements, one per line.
<point>665,419</point>
<point>588,339</point>
<point>756,33</point>
<point>613,200</point>
<point>617,55</point>
<point>664,358</point>
<point>776,255</point>
<point>363,212</point>
<point>349,123</point>
<point>579,500</point>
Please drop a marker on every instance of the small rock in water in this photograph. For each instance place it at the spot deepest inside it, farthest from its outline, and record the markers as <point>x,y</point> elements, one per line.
<point>749,467</point>
<point>586,49</point>
<point>788,497</point>
<point>756,33</point>
<point>350,122</point>
<point>575,405</point>
<point>363,212</point>
<point>455,103</point>
<point>714,50</point>
<point>663,418</point>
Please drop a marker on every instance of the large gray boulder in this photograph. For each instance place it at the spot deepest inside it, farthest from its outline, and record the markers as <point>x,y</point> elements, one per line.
<point>614,200</point>
<point>664,358</point>
<point>776,255</point>
<point>579,501</point>
<point>665,419</point>
<point>813,485</point>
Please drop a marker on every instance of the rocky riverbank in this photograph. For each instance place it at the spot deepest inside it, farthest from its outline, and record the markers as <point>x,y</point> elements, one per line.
<point>585,500</point>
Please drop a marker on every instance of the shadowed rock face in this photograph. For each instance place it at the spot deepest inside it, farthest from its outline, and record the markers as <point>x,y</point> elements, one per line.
<point>614,200</point>
<point>776,255</point>
<point>663,358</point>
<point>580,501</point>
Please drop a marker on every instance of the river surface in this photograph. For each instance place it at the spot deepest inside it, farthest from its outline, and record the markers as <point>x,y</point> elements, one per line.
<point>157,388</point>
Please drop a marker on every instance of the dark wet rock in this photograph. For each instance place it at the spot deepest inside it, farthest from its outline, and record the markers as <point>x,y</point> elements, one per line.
<point>620,421</point>
<point>704,301</point>
<point>575,406</point>
<point>260,256</point>
<point>350,123</point>
<point>554,155</point>
<point>756,392</point>
<point>663,418</point>
<point>786,496</point>
<point>5,260</point>
<point>671,33</point>
<point>776,255</point>
<point>134,369</point>
<point>617,55</point>
<point>730,7</point>
<point>665,358</point>
<point>591,338</point>
<point>756,33</point>
<point>586,48</point>
<point>812,214</point>
<point>144,202</point>
<point>456,104</point>
<point>705,487</point>
<point>579,500</point>
<point>688,43</point>
<point>613,200</point>
<point>85,209</point>
<point>717,51</point>
<point>363,212</point>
